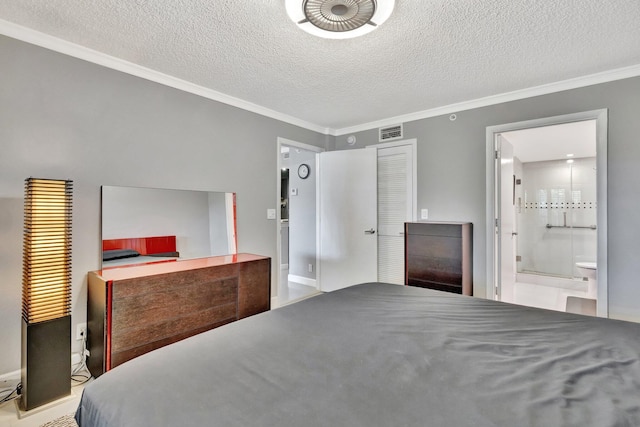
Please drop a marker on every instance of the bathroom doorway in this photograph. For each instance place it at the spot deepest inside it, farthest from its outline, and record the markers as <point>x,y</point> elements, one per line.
<point>547,203</point>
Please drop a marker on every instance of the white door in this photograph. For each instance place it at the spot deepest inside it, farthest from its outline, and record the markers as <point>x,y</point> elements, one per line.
<point>507,221</point>
<point>395,207</point>
<point>348,213</point>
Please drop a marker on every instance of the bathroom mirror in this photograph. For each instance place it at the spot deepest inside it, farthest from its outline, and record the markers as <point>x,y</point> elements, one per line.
<point>150,225</point>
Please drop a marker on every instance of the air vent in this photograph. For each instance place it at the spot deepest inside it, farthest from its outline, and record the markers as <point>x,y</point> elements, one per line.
<point>390,133</point>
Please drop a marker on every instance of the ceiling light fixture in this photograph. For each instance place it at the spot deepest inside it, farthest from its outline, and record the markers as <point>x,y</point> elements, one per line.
<point>339,19</point>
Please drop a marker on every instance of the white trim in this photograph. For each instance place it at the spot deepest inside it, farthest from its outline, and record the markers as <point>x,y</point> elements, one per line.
<point>11,376</point>
<point>302,280</point>
<point>62,46</point>
<point>16,375</point>
<point>601,117</point>
<point>77,51</point>
<point>574,83</point>
<point>55,44</point>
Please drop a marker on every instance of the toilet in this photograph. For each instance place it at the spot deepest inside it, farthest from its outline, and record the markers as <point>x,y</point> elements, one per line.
<point>590,271</point>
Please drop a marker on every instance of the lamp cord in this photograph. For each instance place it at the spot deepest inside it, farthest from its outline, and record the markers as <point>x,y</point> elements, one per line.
<point>9,397</point>
<point>79,375</point>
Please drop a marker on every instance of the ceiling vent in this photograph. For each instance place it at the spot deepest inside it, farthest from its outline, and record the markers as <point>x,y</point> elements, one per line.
<point>390,133</point>
<point>339,19</point>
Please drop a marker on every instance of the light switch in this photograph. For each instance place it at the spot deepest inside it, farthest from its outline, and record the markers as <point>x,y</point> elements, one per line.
<point>271,214</point>
<point>294,191</point>
<point>424,214</point>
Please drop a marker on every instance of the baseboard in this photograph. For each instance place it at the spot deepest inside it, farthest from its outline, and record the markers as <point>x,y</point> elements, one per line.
<point>10,376</point>
<point>15,375</point>
<point>302,280</point>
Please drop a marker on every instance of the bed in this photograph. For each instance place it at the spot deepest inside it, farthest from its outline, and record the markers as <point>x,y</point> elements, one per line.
<point>138,250</point>
<point>383,355</point>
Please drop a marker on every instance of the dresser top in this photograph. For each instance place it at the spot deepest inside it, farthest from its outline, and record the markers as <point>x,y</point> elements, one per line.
<point>133,271</point>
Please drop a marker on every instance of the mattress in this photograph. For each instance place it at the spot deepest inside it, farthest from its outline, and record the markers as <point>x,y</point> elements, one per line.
<point>383,355</point>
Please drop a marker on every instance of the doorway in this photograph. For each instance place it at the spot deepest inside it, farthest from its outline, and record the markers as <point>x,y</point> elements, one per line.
<point>546,206</point>
<point>396,183</point>
<point>296,216</point>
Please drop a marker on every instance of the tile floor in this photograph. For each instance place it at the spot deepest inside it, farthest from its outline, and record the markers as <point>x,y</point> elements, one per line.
<point>290,292</point>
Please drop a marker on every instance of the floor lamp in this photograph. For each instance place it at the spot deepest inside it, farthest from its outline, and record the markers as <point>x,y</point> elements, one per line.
<point>46,292</point>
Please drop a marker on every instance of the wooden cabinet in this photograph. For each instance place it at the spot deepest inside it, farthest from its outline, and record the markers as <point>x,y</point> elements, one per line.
<point>136,309</point>
<point>438,255</point>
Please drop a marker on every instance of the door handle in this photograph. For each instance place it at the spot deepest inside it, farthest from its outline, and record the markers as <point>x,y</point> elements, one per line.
<point>513,233</point>
<point>370,231</point>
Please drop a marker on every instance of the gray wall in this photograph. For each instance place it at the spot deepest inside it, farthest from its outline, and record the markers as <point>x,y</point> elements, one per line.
<point>451,173</point>
<point>65,118</point>
<point>302,215</point>
<point>61,117</point>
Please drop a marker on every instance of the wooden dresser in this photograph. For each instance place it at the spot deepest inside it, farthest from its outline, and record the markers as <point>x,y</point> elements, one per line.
<point>133,310</point>
<point>438,255</point>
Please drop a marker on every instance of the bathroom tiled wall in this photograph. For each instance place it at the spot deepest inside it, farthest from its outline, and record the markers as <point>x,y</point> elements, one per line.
<point>548,192</point>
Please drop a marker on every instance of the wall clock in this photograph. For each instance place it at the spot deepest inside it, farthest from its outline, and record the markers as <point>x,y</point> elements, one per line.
<point>303,171</point>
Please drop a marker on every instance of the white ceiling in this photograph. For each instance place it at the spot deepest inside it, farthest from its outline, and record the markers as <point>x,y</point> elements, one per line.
<point>429,54</point>
<point>554,142</point>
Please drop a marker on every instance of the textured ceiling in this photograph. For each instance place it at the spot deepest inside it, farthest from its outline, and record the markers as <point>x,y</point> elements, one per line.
<point>430,53</point>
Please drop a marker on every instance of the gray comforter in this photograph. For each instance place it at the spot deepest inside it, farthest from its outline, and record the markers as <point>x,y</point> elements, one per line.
<point>383,355</point>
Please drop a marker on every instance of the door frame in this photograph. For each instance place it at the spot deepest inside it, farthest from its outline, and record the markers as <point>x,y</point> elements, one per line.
<point>492,218</point>
<point>294,144</point>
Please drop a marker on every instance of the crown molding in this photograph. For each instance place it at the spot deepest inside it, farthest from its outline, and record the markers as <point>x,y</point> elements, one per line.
<point>46,41</point>
<point>55,44</point>
<point>578,82</point>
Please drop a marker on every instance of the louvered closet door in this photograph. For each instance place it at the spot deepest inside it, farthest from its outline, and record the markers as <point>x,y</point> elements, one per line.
<point>395,206</point>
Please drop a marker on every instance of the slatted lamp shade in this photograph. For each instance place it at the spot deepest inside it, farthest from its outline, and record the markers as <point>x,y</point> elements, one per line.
<point>46,292</point>
<point>46,277</point>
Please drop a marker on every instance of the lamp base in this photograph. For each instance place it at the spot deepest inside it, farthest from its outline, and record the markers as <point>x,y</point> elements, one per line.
<point>46,362</point>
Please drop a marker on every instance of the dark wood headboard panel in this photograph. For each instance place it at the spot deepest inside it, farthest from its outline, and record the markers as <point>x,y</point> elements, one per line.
<point>144,245</point>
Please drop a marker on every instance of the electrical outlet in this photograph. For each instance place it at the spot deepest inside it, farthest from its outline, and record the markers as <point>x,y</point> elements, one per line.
<point>81,330</point>
<point>424,214</point>
<point>310,268</point>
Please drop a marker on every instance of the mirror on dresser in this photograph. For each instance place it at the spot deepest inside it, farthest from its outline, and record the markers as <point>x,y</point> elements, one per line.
<point>148,225</point>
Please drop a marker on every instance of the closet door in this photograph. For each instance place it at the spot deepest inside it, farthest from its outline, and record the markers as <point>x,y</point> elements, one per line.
<point>395,207</point>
